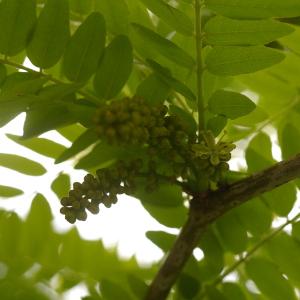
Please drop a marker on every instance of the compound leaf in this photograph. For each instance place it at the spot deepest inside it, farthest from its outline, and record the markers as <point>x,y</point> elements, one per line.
<point>85,49</point>
<point>51,34</point>
<point>234,60</point>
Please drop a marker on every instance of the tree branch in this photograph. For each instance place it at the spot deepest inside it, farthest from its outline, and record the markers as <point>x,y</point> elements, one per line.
<point>206,207</point>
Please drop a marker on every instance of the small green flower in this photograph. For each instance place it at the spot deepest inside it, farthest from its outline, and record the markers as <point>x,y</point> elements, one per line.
<point>209,149</point>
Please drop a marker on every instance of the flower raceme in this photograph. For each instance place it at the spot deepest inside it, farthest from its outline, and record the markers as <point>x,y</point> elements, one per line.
<point>168,153</point>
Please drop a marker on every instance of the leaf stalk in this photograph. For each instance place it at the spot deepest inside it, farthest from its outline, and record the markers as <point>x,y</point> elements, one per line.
<point>199,65</point>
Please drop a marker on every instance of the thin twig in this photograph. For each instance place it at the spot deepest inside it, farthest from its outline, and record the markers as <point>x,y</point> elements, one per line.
<point>281,113</point>
<point>254,249</point>
<point>89,96</point>
<point>199,61</point>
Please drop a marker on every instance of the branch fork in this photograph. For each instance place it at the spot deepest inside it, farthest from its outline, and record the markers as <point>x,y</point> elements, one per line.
<point>206,207</point>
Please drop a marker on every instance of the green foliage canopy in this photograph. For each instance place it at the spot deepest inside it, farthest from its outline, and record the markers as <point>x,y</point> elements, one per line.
<point>92,52</point>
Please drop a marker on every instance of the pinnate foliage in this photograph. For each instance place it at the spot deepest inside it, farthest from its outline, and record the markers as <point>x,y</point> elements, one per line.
<point>119,80</point>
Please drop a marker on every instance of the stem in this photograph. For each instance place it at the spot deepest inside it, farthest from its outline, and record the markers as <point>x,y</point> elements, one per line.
<point>90,97</point>
<point>199,65</point>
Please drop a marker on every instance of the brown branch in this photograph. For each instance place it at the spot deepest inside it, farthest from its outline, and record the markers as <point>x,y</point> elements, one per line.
<point>206,208</point>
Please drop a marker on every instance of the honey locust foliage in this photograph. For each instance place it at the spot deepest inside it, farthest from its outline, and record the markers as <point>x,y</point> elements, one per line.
<point>154,96</point>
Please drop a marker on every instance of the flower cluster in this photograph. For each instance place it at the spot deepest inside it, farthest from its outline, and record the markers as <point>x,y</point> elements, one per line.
<point>171,153</point>
<point>100,189</point>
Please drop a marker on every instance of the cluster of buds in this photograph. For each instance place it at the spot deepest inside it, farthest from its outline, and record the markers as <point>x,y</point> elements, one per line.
<point>134,121</point>
<point>172,154</point>
<point>128,121</point>
<point>100,189</point>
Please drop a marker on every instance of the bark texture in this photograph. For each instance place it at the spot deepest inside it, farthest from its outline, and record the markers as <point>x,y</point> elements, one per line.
<point>206,207</point>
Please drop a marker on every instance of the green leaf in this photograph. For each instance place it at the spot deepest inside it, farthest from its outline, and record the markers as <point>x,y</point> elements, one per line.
<point>186,118</point>
<point>20,288</point>
<point>233,176</point>
<point>269,279</point>
<point>284,250</point>
<point>18,84</point>
<point>169,216</point>
<point>116,15</point>
<point>101,156</point>
<point>61,185</point>
<point>161,239</point>
<point>175,18</point>
<point>234,60</point>
<point>163,46</point>
<point>165,75</point>
<point>138,286</point>
<point>115,68</point>
<point>50,110</point>
<point>82,7</point>
<point>45,119</point>
<point>138,13</point>
<point>153,89</point>
<point>216,124</point>
<point>21,164</point>
<point>85,49</point>
<point>40,145</point>
<point>289,141</point>
<point>37,227</point>
<point>255,216</point>
<point>112,291</point>
<point>215,294</point>
<point>222,31</point>
<point>72,132</point>
<point>213,261</point>
<point>17,19</point>
<point>51,34</point>
<point>257,116</point>
<point>255,9</point>
<point>233,291</point>
<point>8,191</point>
<point>59,91</point>
<point>282,199</point>
<point>10,239</point>
<point>230,104</point>
<point>3,74</point>
<point>231,234</point>
<point>81,112</point>
<point>17,94</point>
<point>94,297</point>
<point>259,153</point>
<point>13,105</point>
<point>165,196</point>
<point>188,286</point>
<point>296,231</point>
<point>86,139</point>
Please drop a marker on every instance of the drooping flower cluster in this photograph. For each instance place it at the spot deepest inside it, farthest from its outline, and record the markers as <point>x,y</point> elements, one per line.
<point>100,189</point>
<point>171,154</point>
